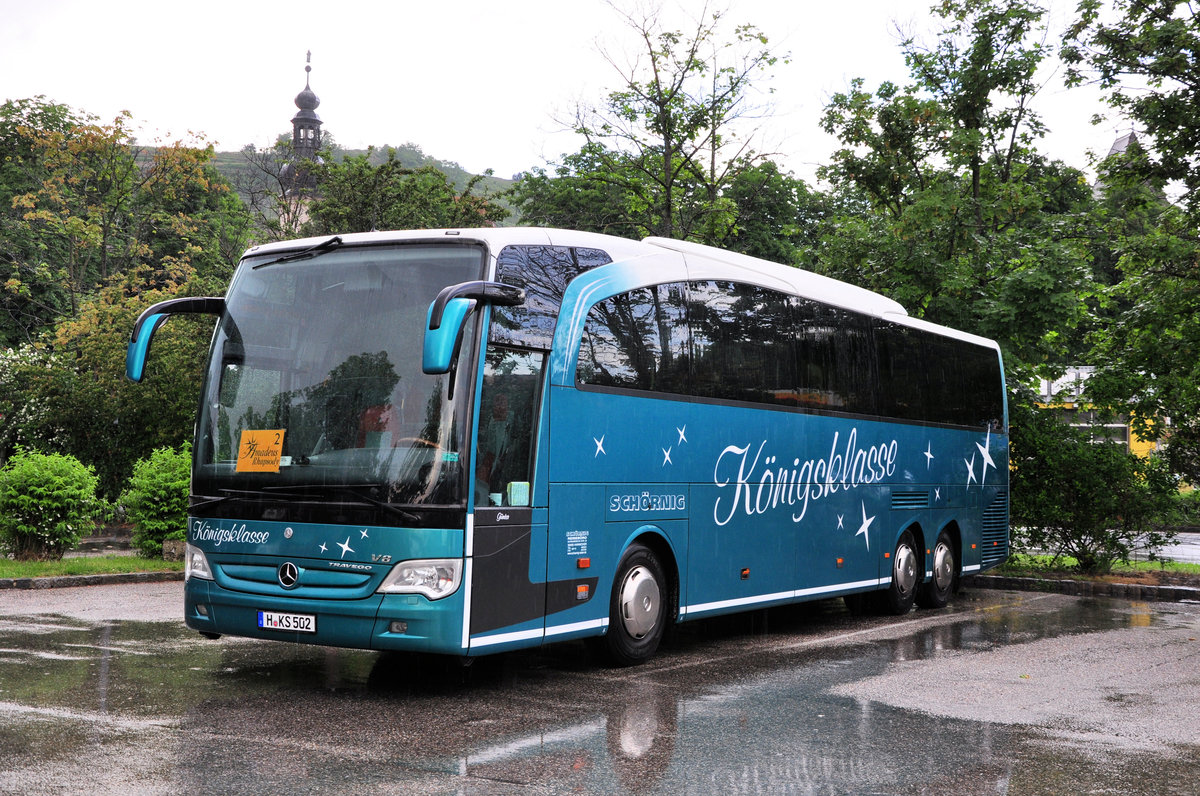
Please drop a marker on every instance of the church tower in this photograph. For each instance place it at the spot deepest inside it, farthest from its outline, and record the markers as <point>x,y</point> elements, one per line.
<point>306,124</point>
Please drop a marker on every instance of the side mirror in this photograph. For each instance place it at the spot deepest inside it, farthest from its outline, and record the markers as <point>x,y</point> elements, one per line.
<point>153,317</point>
<point>443,341</point>
<point>447,316</point>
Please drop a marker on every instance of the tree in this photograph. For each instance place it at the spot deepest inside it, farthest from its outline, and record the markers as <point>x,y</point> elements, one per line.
<point>667,142</point>
<point>777,217</point>
<point>965,223</point>
<point>355,196</point>
<point>1144,54</point>
<point>99,206</point>
<point>108,228</point>
<point>578,195</point>
<point>67,393</point>
<point>271,185</point>
<point>26,303</point>
<point>1153,45</point>
<point>1094,502</point>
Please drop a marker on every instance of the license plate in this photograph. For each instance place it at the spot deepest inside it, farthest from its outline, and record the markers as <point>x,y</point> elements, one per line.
<point>292,623</point>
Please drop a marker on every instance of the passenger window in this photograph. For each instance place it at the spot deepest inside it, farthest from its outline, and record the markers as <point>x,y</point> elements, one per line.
<point>637,341</point>
<point>743,343</point>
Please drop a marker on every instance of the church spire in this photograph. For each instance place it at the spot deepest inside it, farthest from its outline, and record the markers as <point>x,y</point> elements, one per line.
<point>306,124</point>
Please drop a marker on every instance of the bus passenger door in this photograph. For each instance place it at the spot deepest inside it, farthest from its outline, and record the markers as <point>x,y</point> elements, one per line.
<point>507,548</point>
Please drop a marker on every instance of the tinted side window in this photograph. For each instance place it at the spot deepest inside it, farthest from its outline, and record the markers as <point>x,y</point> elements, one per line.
<point>544,273</point>
<point>637,341</point>
<point>742,343</point>
<point>901,372</point>
<point>981,384</point>
<point>835,358</point>
<point>937,379</point>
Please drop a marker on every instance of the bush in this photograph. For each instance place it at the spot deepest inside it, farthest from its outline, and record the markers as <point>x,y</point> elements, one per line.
<point>47,503</point>
<point>156,500</point>
<point>1095,502</point>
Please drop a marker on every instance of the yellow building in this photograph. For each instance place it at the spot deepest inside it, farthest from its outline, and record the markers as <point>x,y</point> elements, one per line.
<point>1065,396</point>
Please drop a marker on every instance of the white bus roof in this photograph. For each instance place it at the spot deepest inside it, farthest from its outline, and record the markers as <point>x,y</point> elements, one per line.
<point>702,262</point>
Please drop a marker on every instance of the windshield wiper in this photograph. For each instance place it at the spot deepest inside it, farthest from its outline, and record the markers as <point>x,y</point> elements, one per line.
<point>311,491</point>
<point>354,490</point>
<point>304,254</point>
<point>202,501</point>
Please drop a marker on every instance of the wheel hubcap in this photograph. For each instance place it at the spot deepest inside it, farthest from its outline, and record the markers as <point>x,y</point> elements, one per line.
<point>639,600</point>
<point>943,566</point>
<point>904,571</point>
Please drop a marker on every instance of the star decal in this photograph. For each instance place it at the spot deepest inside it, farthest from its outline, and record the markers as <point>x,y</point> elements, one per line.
<point>364,534</point>
<point>666,457</point>
<point>346,548</point>
<point>866,524</point>
<point>971,469</point>
<point>324,549</point>
<point>599,446</point>
<point>682,435</point>
<point>841,525</point>
<point>928,454</point>
<point>987,456</point>
<point>937,494</point>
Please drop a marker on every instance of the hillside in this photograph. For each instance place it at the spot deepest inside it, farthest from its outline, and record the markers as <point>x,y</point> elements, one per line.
<point>231,164</point>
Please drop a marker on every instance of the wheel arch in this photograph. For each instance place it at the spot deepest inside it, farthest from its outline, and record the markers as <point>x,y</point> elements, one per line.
<point>659,543</point>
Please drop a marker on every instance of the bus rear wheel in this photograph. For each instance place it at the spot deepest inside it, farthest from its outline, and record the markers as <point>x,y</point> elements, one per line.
<point>936,593</point>
<point>898,599</point>
<point>637,609</point>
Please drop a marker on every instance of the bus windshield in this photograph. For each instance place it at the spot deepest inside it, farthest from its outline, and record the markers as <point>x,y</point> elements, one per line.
<point>324,351</point>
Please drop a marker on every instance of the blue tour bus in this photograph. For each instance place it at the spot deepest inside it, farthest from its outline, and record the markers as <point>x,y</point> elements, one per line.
<point>469,441</point>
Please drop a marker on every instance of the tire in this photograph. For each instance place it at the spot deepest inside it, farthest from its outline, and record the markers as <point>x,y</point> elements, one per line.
<point>906,577</point>
<point>637,613</point>
<point>936,593</point>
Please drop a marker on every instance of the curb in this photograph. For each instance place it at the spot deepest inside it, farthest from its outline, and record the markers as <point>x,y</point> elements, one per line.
<point>70,581</point>
<point>1086,588</point>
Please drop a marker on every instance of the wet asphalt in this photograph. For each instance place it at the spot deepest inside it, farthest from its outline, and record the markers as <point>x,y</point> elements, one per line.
<point>103,690</point>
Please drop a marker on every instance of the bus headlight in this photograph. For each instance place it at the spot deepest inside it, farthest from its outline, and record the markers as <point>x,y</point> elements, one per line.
<point>195,564</point>
<point>435,578</point>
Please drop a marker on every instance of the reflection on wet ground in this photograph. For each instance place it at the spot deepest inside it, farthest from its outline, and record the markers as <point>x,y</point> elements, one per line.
<point>998,694</point>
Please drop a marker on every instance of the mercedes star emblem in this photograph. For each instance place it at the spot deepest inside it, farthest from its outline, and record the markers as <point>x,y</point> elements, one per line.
<point>289,575</point>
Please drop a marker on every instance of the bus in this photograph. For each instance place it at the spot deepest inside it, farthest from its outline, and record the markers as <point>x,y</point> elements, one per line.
<point>469,441</point>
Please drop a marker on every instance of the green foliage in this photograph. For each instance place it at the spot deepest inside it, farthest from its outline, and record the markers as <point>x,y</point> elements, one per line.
<point>662,147</point>
<point>945,203</point>
<point>47,503</point>
<point>69,394</point>
<point>104,228</point>
<point>156,499</point>
<point>1143,54</point>
<point>582,193</point>
<point>356,196</point>
<point>1094,502</point>
<point>1184,511</point>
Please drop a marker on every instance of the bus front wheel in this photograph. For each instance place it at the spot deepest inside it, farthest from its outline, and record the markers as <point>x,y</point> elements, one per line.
<point>637,608</point>
<point>898,599</point>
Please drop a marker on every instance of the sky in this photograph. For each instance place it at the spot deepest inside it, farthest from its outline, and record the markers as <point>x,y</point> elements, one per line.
<point>478,82</point>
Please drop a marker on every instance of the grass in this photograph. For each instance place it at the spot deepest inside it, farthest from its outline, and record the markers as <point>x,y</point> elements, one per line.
<point>97,565</point>
<point>1026,565</point>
